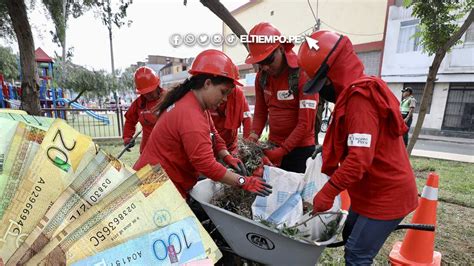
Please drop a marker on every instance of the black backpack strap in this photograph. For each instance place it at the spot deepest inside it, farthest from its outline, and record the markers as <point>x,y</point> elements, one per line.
<point>293,80</point>
<point>262,81</point>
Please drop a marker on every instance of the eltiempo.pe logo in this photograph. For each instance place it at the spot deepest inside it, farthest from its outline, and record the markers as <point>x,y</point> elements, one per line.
<point>202,39</point>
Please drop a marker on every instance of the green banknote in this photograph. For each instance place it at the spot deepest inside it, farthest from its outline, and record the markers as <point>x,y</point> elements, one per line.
<point>101,176</point>
<point>135,212</point>
<point>63,154</point>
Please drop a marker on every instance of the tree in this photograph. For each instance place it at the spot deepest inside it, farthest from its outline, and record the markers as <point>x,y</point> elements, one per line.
<point>8,63</point>
<point>82,80</point>
<point>60,10</point>
<point>18,19</point>
<point>439,32</point>
<point>111,18</point>
<point>221,11</point>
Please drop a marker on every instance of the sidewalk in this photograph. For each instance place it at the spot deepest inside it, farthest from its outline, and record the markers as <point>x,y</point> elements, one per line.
<point>447,139</point>
<point>440,147</point>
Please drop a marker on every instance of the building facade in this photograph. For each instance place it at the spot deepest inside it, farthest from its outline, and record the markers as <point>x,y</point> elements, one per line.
<point>451,110</point>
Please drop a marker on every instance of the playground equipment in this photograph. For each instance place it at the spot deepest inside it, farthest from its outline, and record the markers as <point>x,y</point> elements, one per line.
<point>101,118</point>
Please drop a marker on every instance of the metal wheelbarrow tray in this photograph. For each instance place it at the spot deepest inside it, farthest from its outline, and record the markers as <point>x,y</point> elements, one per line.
<point>252,240</point>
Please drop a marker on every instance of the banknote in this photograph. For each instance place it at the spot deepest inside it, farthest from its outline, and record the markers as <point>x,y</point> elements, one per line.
<point>101,176</point>
<point>63,154</point>
<point>128,217</point>
<point>38,121</point>
<point>7,132</point>
<point>26,142</point>
<point>174,244</point>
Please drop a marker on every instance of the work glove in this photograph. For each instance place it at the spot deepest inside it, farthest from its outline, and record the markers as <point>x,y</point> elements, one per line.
<point>255,185</point>
<point>324,199</point>
<point>276,155</point>
<point>252,137</point>
<point>236,164</point>
<point>259,171</point>
<point>129,143</point>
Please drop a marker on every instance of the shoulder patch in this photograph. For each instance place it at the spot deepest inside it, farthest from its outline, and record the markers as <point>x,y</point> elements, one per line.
<point>310,104</point>
<point>285,95</point>
<point>359,140</point>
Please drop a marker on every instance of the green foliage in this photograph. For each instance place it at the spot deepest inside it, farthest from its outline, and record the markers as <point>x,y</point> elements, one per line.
<point>438,20</point>
<point>110,17</point>
<point>8,63</point>
<point>77,78</point>
<point>6,30</point>
<point>126,80</point>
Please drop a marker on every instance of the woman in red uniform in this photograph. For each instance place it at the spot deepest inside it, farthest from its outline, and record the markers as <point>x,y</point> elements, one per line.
<point>363,150</point>
<point>141,110</point>
<point>184,141</point>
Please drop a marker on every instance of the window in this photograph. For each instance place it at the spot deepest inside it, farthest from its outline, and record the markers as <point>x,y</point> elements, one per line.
<point>469,40</point>
<point>406,40</point>
<point>459,113</point>
<point>371,61</point>
<point>418,89</point>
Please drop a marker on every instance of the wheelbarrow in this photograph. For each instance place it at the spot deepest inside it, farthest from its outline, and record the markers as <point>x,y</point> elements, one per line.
<point>254,241</point>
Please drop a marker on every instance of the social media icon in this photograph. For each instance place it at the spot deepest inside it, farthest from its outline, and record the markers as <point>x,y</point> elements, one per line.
<point>189,39</point>
<point>231,39</point>
<point>176,40</point>
<point>217,39</point>
<point>203,39</point>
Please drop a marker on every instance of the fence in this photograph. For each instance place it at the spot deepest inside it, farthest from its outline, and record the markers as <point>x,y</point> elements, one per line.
<point>97,123</point>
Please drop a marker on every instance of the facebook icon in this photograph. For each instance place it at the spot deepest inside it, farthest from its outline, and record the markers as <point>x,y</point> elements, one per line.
<point>176,40</point>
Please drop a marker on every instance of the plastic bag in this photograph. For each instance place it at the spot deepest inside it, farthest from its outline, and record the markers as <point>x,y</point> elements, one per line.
<point>284,205</point>
<point>320,228</point>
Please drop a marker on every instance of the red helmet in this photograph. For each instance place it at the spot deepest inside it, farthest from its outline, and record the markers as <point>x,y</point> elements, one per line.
<point>146,80</point>
<point>217,63</point>
<point>260,51</point>
<point>314,60</point>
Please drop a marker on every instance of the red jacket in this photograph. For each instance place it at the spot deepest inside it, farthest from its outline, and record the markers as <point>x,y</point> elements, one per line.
<point>230,115</point>
<point>363,151</point>
<point>181,144</point>
<point>292,118</point>
<point>140,111</point>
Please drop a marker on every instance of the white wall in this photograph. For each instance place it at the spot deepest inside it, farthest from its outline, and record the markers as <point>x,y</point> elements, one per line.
<point>457,66</point>
<point>433,120</point>
<point>295,18</point>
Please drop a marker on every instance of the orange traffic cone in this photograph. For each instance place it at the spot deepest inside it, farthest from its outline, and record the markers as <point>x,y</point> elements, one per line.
<point>418,246</point>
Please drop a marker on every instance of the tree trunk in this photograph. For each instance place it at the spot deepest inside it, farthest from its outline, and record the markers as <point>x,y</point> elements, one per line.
<point>63,42</point>
<point>221,11</point>
<point>109,26</point>
<point>30,89</point>
<point>77,97</point>
<point>433,71</point>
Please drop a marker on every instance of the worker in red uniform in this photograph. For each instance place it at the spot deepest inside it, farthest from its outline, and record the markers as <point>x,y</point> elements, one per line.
<point>363,151</point>
<point>229,116</point>
<point>279,98</point>
<point>184,141</point>
<point>141,110</point>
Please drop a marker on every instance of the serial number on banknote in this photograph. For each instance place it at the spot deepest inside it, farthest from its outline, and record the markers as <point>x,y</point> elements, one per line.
<point>100,190</point>
<point>102,234</point>
<point>30,201</point>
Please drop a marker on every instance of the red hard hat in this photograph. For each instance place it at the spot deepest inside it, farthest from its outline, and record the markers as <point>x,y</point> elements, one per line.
<point>217,63</point>
<point>314,60</point>
<point>260,51</point>
<point>146,80</point>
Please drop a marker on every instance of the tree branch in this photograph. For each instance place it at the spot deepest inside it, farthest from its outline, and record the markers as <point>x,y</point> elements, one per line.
<point>77,98</point>
<point>458,34</point>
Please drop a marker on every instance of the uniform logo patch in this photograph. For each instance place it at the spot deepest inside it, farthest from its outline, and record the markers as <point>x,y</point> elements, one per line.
<point>247,114</point>
<point>285,95</point>
<point>359,140</point>
<point>310,104</point>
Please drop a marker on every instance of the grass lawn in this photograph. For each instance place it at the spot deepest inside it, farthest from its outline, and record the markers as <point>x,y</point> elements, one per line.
<point>455,229</point>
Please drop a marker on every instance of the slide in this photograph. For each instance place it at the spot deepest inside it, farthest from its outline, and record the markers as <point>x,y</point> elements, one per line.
<point>101,118</point>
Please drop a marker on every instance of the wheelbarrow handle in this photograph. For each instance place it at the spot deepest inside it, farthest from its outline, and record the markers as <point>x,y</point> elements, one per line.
<point>128,145</point>
<point>419,227</point>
